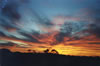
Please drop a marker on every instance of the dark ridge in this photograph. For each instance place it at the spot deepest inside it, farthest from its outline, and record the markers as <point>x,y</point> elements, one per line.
<point>39,59</point>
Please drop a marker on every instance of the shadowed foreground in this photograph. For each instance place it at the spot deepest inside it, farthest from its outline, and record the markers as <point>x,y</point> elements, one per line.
<point>28,59</point>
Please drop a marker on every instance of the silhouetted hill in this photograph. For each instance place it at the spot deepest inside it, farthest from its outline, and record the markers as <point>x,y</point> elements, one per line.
<point>28,59</point>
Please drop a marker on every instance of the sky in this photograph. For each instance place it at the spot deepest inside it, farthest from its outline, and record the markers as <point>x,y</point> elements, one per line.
<point>72,27</point>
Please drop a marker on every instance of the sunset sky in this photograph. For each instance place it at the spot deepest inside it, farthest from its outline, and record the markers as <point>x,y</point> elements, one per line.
<point>72,27</point>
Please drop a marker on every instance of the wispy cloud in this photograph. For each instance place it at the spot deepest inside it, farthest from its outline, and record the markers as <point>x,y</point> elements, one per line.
<point>27,24</point>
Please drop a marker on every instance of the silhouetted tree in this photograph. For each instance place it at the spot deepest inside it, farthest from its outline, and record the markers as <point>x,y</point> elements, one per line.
<point>54,51</point>
<point>29,50</point>
<point>46,51</point>
<point>34,51</point>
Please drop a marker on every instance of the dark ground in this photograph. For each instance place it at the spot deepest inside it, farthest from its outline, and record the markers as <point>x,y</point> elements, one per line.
<point>8,58</point>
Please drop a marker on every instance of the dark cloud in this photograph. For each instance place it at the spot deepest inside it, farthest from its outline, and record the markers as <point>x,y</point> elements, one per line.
<point>42,47</point>
<point>21,46</point>
<point>10,11</point>
<point>95,30</point>
<point>12,14</point>
<point>95,27</point>
<point>95,43</point>
<point>2,34</point>
<point>6,44</point>
<point>32,39</point>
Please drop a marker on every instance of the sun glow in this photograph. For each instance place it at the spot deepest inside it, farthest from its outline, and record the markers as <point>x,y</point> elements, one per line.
<point>86,46</point>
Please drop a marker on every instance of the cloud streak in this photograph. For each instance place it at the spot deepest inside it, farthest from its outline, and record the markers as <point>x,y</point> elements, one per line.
<point>27,24</point>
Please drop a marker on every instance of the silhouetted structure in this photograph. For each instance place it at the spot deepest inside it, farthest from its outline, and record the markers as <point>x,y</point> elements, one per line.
<point>29,50</point>
<point>8,58</point>
<point>33,51</point>
<point>54,51</point>
<point>46,51</point>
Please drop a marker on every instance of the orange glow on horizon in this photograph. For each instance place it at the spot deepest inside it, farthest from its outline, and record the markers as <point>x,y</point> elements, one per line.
<point>86,46</point>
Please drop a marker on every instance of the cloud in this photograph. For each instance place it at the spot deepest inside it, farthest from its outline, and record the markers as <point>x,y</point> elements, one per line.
<point>27,24</point>
<point>95,30</point>
<point>9,44</point>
